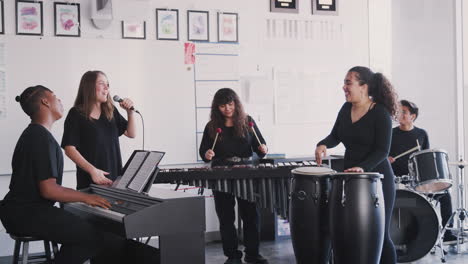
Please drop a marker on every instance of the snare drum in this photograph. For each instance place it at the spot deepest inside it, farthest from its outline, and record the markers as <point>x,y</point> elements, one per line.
<point>308,214</point>
<point>429,169</point>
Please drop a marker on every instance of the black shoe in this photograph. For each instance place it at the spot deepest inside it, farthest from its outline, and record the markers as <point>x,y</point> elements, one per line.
<point>449,238</point>
<point>233,261</point>
<point>255,259</point>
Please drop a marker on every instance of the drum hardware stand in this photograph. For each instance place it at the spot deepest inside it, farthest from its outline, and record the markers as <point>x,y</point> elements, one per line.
<point>461,232</point>
<point>439,243</point>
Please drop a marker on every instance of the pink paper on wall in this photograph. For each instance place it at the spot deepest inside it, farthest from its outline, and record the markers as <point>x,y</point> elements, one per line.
<point>189,53</point>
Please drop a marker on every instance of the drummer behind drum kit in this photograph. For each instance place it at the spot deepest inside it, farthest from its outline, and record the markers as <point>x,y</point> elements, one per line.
<point>415,227</point>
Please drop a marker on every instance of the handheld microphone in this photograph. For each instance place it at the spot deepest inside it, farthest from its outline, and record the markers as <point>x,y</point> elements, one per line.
<point>118,100</point>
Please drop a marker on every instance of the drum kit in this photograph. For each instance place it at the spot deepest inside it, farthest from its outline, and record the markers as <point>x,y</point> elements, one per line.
<point>415,226</point>
<point>344,212</point>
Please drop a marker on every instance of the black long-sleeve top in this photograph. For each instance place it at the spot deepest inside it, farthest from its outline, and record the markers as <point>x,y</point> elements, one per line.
<point>367,141</point>
<point>403,141</point>
<point>229,145</point>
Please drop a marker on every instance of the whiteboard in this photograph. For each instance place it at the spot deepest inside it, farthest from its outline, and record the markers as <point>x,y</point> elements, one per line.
<point>151,73</point>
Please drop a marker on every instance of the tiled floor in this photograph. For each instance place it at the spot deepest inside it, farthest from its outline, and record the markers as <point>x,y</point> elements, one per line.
<point>281,252</point>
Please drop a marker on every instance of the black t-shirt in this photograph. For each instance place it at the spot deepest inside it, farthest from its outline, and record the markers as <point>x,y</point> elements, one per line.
<point>367,141</point>
<point>37,157</point>
<point>403,141</point>
<point>97,141</point>
<point>229,145</point>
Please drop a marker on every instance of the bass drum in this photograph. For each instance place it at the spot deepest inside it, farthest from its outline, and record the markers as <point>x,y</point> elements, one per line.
<point>414,227</point>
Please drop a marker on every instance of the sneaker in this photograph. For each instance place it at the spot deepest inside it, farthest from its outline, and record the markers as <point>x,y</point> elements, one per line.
<point>233,261</point>
<point>449,238</point>
<point>255,259</point>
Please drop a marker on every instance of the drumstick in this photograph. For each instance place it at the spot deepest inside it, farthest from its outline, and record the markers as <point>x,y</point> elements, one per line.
<point>218,131</point>
<point>417,142</point>
<point>251,124</point>
<point>406,152</point>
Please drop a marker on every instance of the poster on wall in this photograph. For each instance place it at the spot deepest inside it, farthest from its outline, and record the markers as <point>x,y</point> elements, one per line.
<point>67,19</point>
<point>29,18</point>
<point>198,25</point>
<point>167,24</point>
<point>227,27</point>
<point>189,53</point>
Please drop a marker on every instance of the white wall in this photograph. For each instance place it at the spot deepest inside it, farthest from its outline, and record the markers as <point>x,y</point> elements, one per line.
<point>423,56</point>
<point>380,36</point>
<point>325,58</point>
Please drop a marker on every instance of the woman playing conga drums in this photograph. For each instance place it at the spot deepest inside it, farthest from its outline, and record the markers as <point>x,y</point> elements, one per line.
<point>364,126</point>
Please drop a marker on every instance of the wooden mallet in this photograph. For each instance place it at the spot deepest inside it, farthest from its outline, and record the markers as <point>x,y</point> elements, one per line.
<point>251,124</point>
<point>218,131</point>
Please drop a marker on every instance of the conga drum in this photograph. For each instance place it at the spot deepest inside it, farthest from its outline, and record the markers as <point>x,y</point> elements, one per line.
<point>357,218</point>
<point>308,214</point>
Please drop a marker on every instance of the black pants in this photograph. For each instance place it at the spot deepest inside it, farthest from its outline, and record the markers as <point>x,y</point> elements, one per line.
<point>80,240</point>
<point>250,215</point>
<point>388,185</point>
<point>445,201</point>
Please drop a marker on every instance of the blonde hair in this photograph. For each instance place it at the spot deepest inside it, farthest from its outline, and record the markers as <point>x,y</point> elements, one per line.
<point>86,96</point>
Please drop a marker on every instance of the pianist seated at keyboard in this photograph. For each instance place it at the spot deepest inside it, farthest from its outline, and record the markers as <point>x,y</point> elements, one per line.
<point>229,139</point>
<point>28,208</point>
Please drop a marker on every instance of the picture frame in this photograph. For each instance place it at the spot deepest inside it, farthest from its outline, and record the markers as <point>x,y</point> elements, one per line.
<point>134,30</point>
<point>2,19</point>
<point>167,24</point>
<point>29,18</point>
<point>325,7</point>
<point>198,25</point>
<point>284,6</point>
<point>228,27</point>
<point>67,19</point>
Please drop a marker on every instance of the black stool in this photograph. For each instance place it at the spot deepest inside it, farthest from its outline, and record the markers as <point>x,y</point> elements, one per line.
<point>25,256</point>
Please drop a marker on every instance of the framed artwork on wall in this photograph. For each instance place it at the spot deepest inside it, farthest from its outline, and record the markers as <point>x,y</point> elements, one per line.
<point>67,19</point>
<point>228,27</point>
<point>134,30</point>
<point>325,7</point>
<point>284,6</point>
<point>2,19</point>
<point>198,26</point>
<point>29,18</point>
<point>167,24</point>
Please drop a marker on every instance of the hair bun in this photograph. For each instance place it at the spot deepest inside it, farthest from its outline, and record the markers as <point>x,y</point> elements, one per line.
<point>17,98</point>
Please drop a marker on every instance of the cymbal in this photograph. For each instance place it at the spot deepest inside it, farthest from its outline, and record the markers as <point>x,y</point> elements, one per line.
<point>458,163</point>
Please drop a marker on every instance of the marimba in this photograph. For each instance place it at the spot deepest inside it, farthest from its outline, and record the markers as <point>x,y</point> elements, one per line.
<point>266,184</point>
